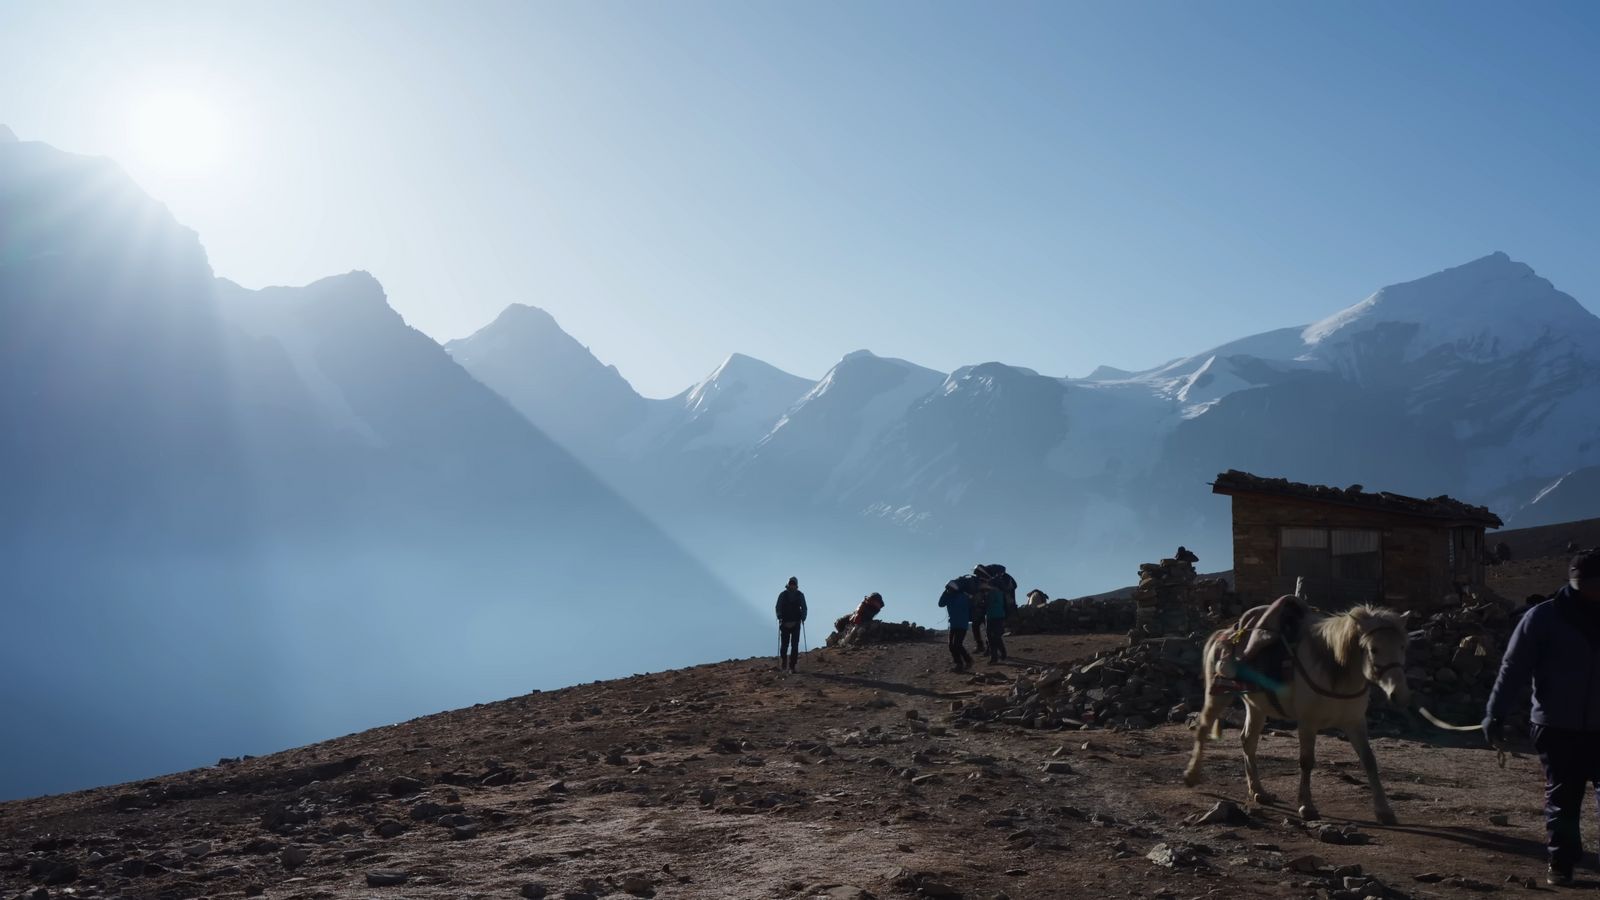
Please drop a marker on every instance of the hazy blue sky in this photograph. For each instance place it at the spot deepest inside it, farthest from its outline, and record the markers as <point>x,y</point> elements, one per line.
<point>1054,185</point>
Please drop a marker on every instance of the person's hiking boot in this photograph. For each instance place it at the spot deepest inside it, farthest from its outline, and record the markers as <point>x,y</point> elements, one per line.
<point>1558,877</point>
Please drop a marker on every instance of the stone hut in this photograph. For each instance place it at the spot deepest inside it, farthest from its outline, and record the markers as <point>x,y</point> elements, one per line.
<point>1351,545</point>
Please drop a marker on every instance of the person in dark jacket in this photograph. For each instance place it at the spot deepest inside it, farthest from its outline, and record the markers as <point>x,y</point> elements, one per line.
<point>791,618</point>
<point>1556,645</point>
<point>994,599</point>
<point>958,605</point>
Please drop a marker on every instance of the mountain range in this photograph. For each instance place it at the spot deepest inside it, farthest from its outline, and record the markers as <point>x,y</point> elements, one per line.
<point>1475,381</point>
<point>240,519</point>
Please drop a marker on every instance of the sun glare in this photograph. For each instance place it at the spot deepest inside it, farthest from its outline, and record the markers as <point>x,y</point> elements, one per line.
<point>179,133</point>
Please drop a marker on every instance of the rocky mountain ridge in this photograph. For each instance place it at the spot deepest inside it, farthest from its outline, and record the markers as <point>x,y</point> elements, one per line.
<point>1467,382</point>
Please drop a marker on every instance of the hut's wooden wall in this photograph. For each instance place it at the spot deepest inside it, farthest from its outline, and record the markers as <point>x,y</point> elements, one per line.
<point>1416,566</point>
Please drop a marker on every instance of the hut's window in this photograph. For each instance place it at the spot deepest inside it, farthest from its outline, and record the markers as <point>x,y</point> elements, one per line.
<point>1355,554</point>
<point>1304,551</point>
<point>1341,553</point>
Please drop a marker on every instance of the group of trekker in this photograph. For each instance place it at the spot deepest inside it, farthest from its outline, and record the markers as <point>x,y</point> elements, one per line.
<point>980,601</point>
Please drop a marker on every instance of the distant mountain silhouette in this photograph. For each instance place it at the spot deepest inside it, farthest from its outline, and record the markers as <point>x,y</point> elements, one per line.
<point>238,520</point>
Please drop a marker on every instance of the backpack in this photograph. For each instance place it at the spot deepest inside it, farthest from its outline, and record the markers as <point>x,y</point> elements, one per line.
<point>997,575</point>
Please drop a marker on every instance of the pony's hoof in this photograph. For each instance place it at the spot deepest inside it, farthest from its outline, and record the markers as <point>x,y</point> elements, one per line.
<point>1263,798</point>
<point>1386,817</point>
<point>1309,813</point>
<point>1191,778</point>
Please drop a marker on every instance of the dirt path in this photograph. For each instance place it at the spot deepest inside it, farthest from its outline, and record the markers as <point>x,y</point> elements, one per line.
<point>733,781</point>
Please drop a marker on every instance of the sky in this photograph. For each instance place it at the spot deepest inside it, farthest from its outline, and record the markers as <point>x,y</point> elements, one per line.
<point>1053,185</point>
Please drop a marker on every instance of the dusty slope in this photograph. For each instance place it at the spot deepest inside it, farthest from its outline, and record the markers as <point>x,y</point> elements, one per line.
<point>712,782</point>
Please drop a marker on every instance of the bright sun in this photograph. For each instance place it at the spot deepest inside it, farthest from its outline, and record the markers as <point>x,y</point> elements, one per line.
<point>179,133</point>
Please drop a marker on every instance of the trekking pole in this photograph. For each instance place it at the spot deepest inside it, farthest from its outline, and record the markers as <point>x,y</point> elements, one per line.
<point>803,639</point>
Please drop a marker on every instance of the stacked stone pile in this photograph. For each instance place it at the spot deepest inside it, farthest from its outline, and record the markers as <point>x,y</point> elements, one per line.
<point>1163,601</point>
<point>1073,617</point>
<point>878,632</point>
<point>1145,684</point>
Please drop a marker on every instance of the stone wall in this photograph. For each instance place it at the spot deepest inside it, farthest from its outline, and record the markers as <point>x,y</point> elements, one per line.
<point>1089,615</point>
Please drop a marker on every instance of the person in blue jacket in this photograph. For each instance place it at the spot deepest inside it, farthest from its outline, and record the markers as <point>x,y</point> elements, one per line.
<point>958,605</point>
<point>1556,645</point>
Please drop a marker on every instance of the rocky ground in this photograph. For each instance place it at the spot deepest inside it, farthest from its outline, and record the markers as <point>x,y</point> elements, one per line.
<point>857,777</point>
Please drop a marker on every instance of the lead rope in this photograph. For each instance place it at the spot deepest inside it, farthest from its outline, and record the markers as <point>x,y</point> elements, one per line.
<point>1501,756</point>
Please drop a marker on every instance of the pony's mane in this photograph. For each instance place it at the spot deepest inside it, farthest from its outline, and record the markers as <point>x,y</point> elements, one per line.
<point>1341,633</point>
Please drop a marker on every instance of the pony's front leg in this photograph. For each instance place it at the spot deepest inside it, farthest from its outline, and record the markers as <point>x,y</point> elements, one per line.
<point>1363,748</point>
<point>1308,761</point>
<point>1254,721</point>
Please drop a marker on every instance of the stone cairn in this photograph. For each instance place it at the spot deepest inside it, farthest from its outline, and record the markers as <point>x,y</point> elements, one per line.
<point>1170,600</point>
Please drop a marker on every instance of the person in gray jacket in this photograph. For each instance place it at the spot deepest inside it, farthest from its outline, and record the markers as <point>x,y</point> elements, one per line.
<point>1556,645</point>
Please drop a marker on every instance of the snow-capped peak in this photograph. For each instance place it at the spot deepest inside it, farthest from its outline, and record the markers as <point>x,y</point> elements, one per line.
<point>1488,308</point>
<point>756,383</point>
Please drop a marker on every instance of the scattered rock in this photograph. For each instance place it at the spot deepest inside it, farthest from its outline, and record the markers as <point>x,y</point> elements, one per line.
<point>638,886</point>
<point>1225,812</point>
<point>51,871</point>
<point>387,877</point>
<point>1309,864</point>
<point>1343,835</point>
<point>1173,856</point>
<point>406,786</point>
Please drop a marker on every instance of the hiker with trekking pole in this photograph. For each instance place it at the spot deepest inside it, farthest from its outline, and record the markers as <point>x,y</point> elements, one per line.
<point>791,624</point>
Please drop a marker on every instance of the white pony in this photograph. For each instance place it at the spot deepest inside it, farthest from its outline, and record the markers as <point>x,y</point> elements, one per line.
<point>1337,657</point>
